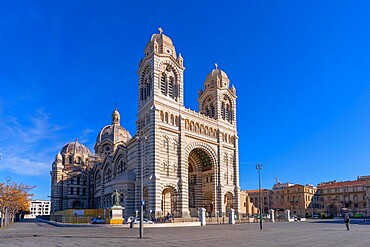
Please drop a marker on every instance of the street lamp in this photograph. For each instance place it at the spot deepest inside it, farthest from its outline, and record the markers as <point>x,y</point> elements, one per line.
<point>142,137</point>
<point>259,168</point>
<point>8,179</point>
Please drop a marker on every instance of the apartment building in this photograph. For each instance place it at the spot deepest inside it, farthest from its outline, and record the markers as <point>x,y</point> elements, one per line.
<point>39,207</point>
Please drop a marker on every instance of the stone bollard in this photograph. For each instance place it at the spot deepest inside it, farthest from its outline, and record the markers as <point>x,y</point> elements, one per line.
<point>287,215</point>
<point>202,216</point>
<point>272,215</point>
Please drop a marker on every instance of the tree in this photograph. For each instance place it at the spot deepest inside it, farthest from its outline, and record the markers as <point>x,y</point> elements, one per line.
<point>13,198</point>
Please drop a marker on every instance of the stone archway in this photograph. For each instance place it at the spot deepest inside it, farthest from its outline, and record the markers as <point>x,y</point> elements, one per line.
<point>228,202</point>
<point>208,202</point>
<point>169,201</point>
<point>201,180</point>
<point>332,210</point>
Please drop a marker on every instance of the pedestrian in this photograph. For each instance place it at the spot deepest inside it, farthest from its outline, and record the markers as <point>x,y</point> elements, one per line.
<point>346,220</point>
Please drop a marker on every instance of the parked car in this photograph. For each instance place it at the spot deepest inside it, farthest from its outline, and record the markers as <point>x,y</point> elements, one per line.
<point>97,220</point>
<point>145,221</point>
<point>128,220</point>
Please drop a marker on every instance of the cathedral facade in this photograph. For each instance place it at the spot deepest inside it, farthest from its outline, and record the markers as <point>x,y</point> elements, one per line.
<point>187,159</point>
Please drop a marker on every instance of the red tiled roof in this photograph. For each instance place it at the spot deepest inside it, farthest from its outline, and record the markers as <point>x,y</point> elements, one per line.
<point>255,191</point>
<point>330,185</point>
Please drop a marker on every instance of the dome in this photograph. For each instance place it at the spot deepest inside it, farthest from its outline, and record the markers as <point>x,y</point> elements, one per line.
<point>75,148</point>
<point>114,132</point>
<point>217,73</point>
<point>217,78</point>
<point>161,39</point>
<point>160,43</point>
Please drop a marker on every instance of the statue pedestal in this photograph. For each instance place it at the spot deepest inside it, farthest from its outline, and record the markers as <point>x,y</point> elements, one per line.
<point>116,218</point>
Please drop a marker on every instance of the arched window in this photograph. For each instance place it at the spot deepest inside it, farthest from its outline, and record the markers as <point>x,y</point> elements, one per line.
<point>163,84</point>
<point>207,111</point>
<point>146,82</point>
<point>169,85</point>
<point>223,110</point>
<point>107,175</point>
<point>97,180</point>
<point>226,109</point>
<point>212,113</point>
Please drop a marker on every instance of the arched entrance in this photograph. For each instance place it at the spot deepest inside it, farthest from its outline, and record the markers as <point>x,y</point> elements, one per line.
<point>332,210</point>
<point>228,202</point>
<point>208,202</point>
<point>169,201</point>
<point>201,181</point>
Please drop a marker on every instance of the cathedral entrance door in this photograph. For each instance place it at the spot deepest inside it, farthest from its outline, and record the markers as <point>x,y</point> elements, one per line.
<point>228,203</point>
<point>201,182</point>
<point>169,202</point>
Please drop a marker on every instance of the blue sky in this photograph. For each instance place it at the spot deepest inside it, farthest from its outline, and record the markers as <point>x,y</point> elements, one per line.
<point>301,70</point>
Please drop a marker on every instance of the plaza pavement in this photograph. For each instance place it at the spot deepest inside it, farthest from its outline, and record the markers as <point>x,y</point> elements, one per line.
<point>284,234</point>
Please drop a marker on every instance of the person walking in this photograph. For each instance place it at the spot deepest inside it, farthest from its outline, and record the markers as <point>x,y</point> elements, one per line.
<point>346,220</point>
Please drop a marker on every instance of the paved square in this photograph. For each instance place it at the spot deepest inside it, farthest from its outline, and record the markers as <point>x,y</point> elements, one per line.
<point>300,234</point>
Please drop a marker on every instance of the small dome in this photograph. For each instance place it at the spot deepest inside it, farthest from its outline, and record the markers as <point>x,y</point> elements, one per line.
<point>161,39</point>
<point>75,148</point>
<point>116,117</point>
<point>58,157</point>
<point>217,78</point>
<point>114,132</point>
<point>160,43</point>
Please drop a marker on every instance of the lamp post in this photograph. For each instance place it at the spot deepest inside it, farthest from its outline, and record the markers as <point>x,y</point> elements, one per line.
<point>141,136</point>
<point>259,168</point>
<point>8,179</point>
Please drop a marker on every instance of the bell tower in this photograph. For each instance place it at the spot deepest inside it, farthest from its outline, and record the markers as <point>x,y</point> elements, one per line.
<point>160,73</point>
<point>218,100</point>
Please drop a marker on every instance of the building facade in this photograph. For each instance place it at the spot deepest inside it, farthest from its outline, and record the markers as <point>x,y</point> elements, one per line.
<point>254,196</point>
<point>247,208</point>
<point>331,199</point>
<point>337,198</point>
<point>187,159</point>
<point>301,200</point>
<point>38,208</point>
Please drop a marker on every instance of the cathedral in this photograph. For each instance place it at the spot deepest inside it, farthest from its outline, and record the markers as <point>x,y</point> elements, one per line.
<point>187,159</point>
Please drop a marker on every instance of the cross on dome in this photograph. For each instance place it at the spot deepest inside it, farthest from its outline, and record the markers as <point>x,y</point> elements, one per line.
<point>216,65</point>
<point>160,30</point>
